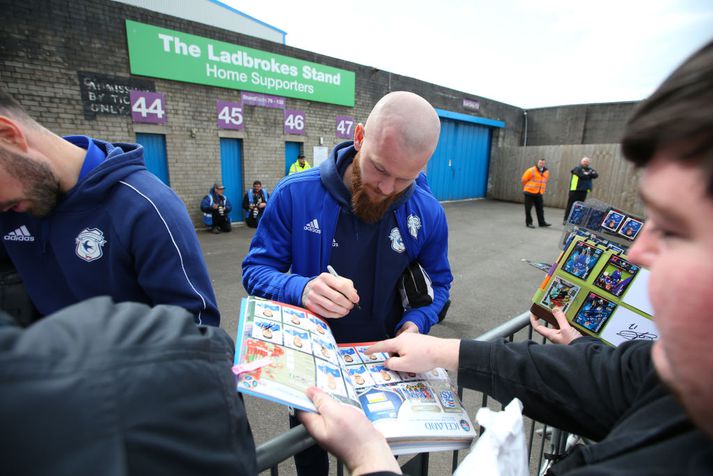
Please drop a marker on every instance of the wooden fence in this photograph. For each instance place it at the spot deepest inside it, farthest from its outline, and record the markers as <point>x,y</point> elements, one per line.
<point>617,183</point>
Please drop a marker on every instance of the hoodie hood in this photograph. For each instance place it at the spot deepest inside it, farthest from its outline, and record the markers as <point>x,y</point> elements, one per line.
<point>121,161</point>
<point>332,172</point>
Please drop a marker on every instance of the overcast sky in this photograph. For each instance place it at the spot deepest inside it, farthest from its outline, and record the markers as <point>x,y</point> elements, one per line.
<point>525,53</point>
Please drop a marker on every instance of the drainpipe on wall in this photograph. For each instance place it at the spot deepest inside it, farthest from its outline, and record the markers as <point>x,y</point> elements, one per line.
<point>524,137</point>
<point>584,125</point>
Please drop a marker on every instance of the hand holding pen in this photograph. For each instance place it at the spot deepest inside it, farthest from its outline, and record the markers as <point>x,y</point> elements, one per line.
<point>330,295</point>
<point>334,273</point>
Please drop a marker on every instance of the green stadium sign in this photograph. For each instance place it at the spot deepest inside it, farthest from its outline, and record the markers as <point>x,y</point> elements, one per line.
<point>168,54</point>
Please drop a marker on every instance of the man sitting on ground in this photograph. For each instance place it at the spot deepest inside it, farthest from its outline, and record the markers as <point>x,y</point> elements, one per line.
<point>216,209</point>
<point>254,203</point>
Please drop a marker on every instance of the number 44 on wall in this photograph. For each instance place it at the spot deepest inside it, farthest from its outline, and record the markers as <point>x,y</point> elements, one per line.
<point>147,107</point>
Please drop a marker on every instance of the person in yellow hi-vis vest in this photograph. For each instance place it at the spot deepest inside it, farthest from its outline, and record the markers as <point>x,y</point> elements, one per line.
<point>534,182</point>
<point>300,165</point>
<point>580,183</point>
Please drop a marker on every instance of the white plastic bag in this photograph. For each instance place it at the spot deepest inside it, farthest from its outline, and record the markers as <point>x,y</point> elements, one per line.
<point>501,449</point>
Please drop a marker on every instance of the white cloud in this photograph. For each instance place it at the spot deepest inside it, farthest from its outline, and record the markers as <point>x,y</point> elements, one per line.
<point>526,53</point>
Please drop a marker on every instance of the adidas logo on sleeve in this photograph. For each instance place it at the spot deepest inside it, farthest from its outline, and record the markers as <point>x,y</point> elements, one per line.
<point>20,234</point>
<point>313,226</point>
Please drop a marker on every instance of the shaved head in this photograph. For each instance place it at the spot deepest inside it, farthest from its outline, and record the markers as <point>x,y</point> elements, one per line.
<point>408,119</point>
<point>400,135</point>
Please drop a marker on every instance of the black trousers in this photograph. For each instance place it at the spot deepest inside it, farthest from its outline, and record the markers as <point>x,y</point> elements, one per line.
<point>574,196</point>
<point>534,199</point>
<point>251,220</point>
<point>221,221</point>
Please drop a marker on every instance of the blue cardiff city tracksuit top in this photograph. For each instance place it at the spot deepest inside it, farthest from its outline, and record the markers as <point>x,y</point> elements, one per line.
<point>297,234</point>
<point>118,232</point>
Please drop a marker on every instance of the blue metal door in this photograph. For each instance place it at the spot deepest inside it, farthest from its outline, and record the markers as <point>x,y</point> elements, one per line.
<point>155,154</point>
<point>231,165</point>
<point>459,166</point>
<point>292,150</point>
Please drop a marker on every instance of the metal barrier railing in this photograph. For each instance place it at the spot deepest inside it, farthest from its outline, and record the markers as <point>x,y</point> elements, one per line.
<point>278,449</point>
<point>557,438</point>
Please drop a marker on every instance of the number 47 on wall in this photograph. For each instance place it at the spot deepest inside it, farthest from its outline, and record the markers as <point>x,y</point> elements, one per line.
<point>345,127</point>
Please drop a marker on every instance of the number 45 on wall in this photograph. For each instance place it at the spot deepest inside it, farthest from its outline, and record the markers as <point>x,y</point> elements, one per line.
<point>230,115</point>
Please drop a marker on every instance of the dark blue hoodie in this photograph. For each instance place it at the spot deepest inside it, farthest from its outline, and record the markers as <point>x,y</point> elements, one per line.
<point>118,232</point>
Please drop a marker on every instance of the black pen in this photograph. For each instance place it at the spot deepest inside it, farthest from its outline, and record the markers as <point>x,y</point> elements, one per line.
<point>334,273</point>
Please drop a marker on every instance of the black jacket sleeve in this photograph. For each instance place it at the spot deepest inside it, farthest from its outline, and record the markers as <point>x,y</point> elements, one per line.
<point>115,389</point>
<point>579,172</point>
<point>592,174</point>
<point>583,388</point>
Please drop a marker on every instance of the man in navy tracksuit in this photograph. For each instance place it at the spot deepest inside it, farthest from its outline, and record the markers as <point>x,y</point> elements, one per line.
<point>80,218</point>
<point>366,212</point>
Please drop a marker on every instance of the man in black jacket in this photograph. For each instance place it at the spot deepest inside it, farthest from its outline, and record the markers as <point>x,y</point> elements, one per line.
<point>120,389</point>
<point>580,182</point>
<point>648,404</point>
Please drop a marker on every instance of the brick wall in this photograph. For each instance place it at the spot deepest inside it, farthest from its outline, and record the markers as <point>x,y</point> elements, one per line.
<point>44,44</point>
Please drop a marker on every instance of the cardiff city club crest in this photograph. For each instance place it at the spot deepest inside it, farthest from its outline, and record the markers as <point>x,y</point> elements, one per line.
<point>397,243</point>
<point>89,244</point>
<point>414,224</point>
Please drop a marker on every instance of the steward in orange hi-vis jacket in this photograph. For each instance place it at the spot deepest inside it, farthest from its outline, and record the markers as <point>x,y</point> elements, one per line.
<point>534,182</point>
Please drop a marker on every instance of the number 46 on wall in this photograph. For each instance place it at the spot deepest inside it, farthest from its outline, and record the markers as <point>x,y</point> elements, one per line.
<point>294,122</point>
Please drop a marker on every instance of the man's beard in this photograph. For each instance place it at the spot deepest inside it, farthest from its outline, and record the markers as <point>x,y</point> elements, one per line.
<point>42,185</point>
<point>363,206</point>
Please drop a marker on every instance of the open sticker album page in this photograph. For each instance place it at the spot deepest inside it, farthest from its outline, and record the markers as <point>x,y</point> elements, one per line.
<point>282,350</point>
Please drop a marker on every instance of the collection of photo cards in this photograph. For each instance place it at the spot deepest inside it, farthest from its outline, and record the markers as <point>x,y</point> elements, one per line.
<point>593,238</point>
<point>299,351</point>
<point>619,223</point>
<point>602,218</point>
<point>599,290</point>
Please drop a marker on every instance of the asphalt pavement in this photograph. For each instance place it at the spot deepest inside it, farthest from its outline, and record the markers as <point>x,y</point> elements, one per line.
<point>486,245</point>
